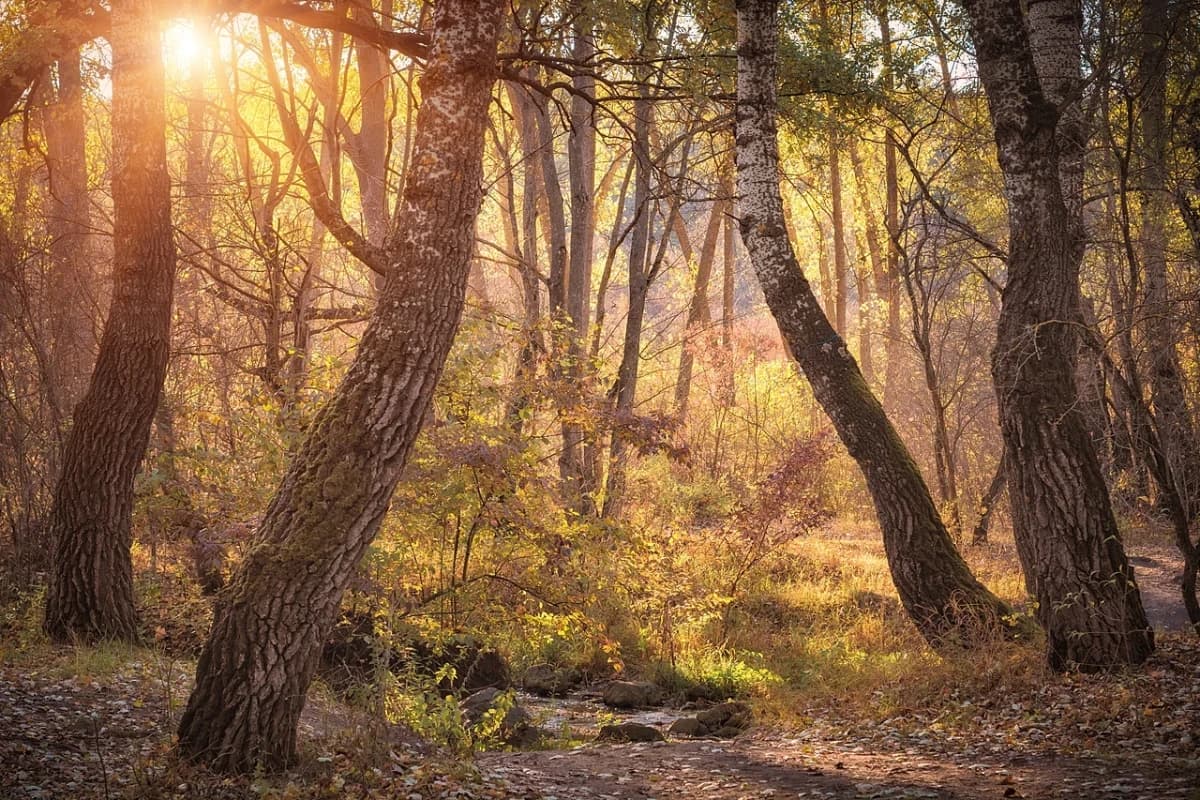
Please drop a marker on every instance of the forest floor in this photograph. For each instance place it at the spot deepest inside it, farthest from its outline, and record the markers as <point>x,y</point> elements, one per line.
<point>99,722</point>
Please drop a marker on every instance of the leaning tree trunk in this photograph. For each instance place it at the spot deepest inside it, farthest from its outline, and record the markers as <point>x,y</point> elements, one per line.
<point>270,622</point>
<point>91,586</point>
<point>945,601</point>
<point>1065,531</point>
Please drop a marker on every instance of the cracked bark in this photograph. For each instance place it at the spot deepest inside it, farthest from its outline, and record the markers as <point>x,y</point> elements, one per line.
<point>1065,531</point>
<point>944,600</point>
<point>91,585</point>
<point>270,622</point>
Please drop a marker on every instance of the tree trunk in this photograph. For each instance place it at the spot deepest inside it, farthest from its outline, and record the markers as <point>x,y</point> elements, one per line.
<point>699,316</point>
<point>68,219</point>
<point>838,223</point>
<point>1066,534</point>
<point>891,376</point>
<point>922,333</point>
<point>875,252</point>
<point>987,506</point>
<point>581,158</point>
<point>1168,395</point>
<point>271,621</point>
<point>639,288</point>
<point>91,587</point>
<point>947,604</point>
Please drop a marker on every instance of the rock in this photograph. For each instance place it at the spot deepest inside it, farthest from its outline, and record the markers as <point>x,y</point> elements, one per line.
<point>632,694</point>
<point>352,653</point>
<point>548,680</point>
<point>688,726</point>
<point>732,714</point>
<point>475,666</point>
<point>728,732</point>
<point>629,732</point>
<point>517,726</point>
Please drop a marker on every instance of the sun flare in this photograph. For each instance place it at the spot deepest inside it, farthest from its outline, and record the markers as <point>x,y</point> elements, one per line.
<point>183,45</point>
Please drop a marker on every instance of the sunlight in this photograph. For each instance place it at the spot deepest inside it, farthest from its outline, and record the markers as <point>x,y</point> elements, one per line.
<point>183,45</point>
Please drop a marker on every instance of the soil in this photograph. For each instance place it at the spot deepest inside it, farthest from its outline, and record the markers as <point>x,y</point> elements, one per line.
<point>74,729</point>
<point>769,766</point>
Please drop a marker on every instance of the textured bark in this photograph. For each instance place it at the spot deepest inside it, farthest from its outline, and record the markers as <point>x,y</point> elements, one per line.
<point>1065,531</point>
<point>91,586</point>
<point>270,622</point>
<point>945,601</point>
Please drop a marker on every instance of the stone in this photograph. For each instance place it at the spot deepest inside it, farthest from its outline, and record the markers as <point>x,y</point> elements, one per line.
<point>732,714</point>
<point>632,694</point>
<point>548,680</point>
<point>728,732</point>
<point>688,726</point>
<point>630,732</point>
<point>516,728</point>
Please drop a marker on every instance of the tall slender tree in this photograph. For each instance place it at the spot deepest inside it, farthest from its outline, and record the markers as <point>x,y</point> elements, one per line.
<point>91,586</point>
<point>944,600</point>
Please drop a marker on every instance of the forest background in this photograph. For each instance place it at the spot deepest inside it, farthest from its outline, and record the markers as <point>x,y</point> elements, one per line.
<point>622,470</point>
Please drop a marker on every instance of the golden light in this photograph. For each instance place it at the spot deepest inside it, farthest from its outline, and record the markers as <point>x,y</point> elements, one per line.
<point>183,45</point>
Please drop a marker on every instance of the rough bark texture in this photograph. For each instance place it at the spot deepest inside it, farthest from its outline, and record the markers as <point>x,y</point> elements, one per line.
<point>91,586</point>
<point>1066,534</point>
<point>270,622</point>
<point>944,600</point>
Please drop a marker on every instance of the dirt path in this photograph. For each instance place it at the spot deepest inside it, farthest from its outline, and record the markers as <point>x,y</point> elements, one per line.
<point>769,767</point>
<point>1158,568</point>
<point>68,731</point>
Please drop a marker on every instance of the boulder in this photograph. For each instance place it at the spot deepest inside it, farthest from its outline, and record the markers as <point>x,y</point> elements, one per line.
<point>629,732</point>
<point>724,721</point>
<point>475,665</point>
<point>632,694</point>
<point>726,714</point>
<point>516,728</point>
<point>548,680</point>
<point>728,732</point>
<point>688,726</point>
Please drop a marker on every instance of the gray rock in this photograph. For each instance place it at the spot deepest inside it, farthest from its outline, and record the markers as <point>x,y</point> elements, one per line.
<point>728,732</point>
<point>629,732</point>
<point>736,715</point>
<point>688,726</point>
<point>632,694</point>
<point>516,719</point>
<point>548,680</point>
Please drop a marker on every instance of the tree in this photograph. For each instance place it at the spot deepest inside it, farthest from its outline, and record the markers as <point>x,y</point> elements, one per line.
<point>942,597</point>
<point>271,621</point>
<point>1063,523</point>
<point>91,587</point>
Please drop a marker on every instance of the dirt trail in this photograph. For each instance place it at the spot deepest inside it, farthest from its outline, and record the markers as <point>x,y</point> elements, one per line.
<point>1158,568</point>
<point>763,766</point>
